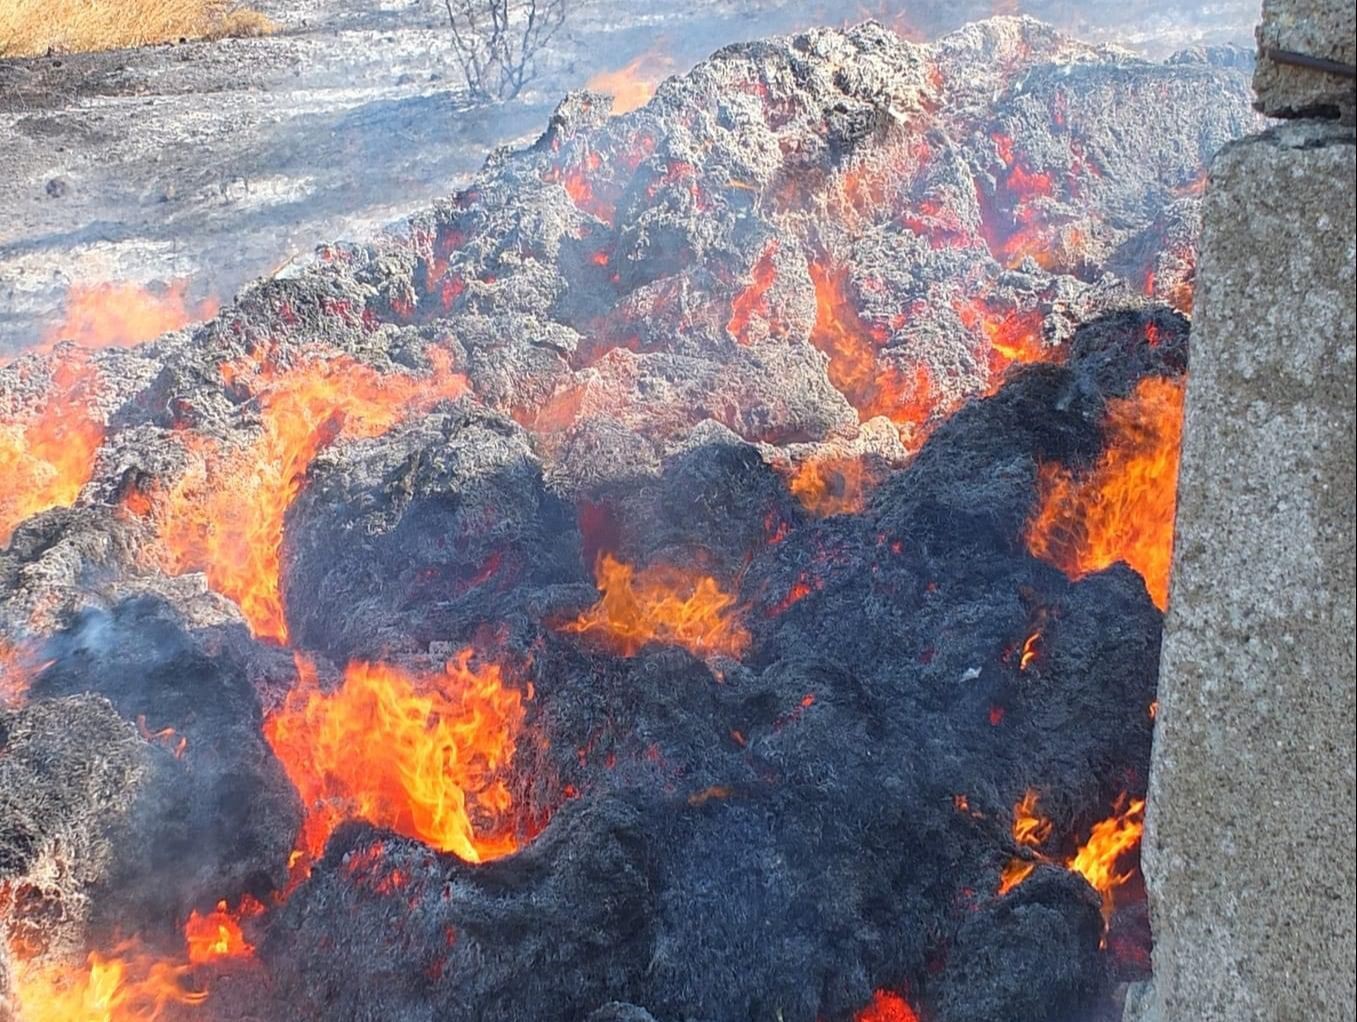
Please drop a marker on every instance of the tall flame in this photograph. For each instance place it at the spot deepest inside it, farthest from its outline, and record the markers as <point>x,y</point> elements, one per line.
<point>423,754</point>
<point>47,455</point>
<point>119,314</point>
<point>661,604</point>
<point>225,515</point>
<point>127,986</point>
<point>1122,510</point>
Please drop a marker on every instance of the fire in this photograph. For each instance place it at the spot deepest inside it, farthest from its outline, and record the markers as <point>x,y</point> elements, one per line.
<point>47,455</point>
<point>1121,510</point>
<point>1096,861</point>
<point>831,486</point>
<point>217,934</point>
<point>1031,647</point>
<point>887,1007</point>
<point>905,397</point>
<point>18,666</point>
<point>633,85</point>
<point>661,604</point>
<point>129,986</point>
<point>753,299</point>
<point>225,515</point>
<point>1111,839</point>
<point>1031,830</point>
<point>423,754</point>
<point>1014,336</point>
<point>119,315</point>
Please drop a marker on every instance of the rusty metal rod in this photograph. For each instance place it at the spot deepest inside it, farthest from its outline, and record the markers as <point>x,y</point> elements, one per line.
<point>1333,67</point>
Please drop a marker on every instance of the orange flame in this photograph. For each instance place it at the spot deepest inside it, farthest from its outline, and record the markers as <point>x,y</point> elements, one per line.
<point>18,666</point>
<point>129,986</point>
<point>1014,336</point>
<point>119,315</point>
<point>753,299</point>
<point>1111,839</point>
<point>225,515</point>
<point>1031,830</point>
<point>47,455</point>
<point>1123,509</point>
<point>633,85</point>
<point>421,754</point>
<point>906,398</point>
<point>887,1007</point>
<point>661,604</point>
<point>831,486</point>
<point>218,934</point>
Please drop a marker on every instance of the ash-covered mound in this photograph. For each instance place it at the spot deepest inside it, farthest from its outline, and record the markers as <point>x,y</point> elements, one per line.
<point>708,569</point>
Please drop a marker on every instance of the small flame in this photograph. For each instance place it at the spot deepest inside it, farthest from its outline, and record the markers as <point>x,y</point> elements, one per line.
<point>1111,839</point>
<point>225,515</point>
<point>661,604</point>
<point>127,986</point>
<point>218,934</point>
<point>887,1007</point>
<point>1031,829</point>
<point>18,666</point>
<point>1123,509</point>
<point>47,455</point>
<point>831,486</point>
<point>753,299</point>
<point>119,314</point>
<point>1031,647</point>
<point>421,754</point>
<point>632,86</point>
<point>906,397</point>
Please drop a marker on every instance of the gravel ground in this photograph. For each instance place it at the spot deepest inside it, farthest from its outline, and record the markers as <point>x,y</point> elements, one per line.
<point>221,162</point>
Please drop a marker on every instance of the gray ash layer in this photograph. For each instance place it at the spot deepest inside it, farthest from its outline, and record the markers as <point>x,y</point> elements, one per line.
<point>658,314</point>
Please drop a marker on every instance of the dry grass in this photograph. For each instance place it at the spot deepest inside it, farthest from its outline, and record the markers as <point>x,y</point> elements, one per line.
<point>34,27</point>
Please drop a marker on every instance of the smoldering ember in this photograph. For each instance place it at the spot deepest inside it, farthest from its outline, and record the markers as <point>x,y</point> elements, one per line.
<point>709,568</point>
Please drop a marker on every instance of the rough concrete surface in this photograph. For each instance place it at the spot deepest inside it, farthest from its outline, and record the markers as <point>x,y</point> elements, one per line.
<point>1249,851</point>
<point>1319,28</point>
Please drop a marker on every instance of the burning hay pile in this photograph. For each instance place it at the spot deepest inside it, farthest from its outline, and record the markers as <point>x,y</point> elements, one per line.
<point>708,569</point>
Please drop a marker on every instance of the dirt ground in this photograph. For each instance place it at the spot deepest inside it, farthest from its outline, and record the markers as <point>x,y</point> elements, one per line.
<point>221,162</point>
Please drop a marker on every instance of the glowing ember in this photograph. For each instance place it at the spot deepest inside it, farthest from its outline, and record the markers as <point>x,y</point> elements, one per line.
<point>47,455</point>
<point>1110,841</point>
<point>1121,510</point>
<point>1030,648</point>
<point>905,397</point>
<point>218,934</point>
<point>1014,336</point>
<point>421,754</point>
<point>753,299</point>
<point>831,486</point>
<point>129,986</point>
<point>633,85</point>
<point>225,515</point>
<point>887,1007</point>
<point>119,315</point>
<point>18,666</point>
<point>661,604</point>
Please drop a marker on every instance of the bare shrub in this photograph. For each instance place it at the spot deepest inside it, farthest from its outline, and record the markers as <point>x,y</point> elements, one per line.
<point>497,42</point>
